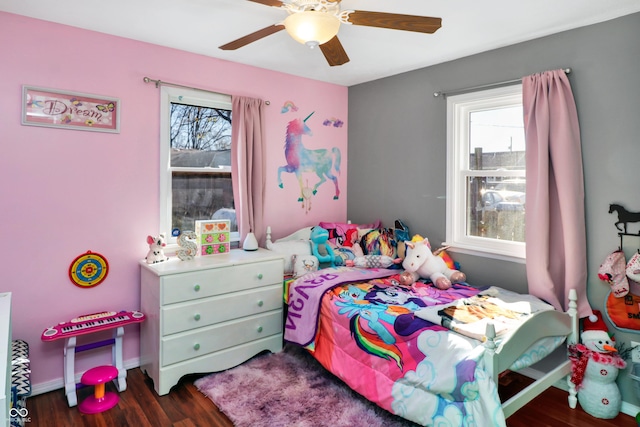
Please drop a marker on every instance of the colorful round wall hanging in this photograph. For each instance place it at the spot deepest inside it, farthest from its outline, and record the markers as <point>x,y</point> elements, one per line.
<point>88,270</point>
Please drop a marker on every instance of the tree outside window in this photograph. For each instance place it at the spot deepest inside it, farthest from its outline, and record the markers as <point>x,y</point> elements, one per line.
<point>197,158</point>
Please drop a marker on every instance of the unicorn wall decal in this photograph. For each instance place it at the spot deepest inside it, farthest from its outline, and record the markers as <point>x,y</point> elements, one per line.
<point>301,159</point>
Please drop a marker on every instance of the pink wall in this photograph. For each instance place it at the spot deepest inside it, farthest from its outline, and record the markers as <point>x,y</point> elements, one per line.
<point>65,192</point>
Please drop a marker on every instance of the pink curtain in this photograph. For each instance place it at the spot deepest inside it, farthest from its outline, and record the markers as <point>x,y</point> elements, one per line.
<point>555,224</point>
<point>248,164</point>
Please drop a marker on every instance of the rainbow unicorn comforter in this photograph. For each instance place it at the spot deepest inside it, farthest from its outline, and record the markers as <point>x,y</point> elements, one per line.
<point>361,326</point>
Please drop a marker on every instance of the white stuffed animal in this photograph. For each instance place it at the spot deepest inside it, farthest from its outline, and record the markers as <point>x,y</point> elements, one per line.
<point>594,368</point>
<point>156,249</point>
<point>422,263</point>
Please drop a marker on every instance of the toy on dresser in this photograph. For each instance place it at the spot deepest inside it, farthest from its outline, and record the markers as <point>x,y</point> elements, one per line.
<point>214,236</point>
<point>156,249</point>
<point>188,248</point>
<point>594,368</point>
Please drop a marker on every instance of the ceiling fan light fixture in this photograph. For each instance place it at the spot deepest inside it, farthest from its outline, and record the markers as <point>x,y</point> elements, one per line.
<point>312,28</point>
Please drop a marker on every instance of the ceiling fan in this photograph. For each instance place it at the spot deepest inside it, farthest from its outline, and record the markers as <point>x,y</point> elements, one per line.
<point>316,23</point>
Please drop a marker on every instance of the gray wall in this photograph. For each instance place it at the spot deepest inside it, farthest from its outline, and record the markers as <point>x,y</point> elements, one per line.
<point>397,143</point>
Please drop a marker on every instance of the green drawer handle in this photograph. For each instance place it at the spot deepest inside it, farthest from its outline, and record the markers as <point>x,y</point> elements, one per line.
<point>196,288</point>
<point>196,347</point>
<point>260,303</point>
<point>260,276</point>
<point>196,317</point>
<point>259,328</point>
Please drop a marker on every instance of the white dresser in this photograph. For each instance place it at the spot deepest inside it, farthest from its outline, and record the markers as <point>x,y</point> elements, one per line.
<point>5,357</point>
<point>209,314</point>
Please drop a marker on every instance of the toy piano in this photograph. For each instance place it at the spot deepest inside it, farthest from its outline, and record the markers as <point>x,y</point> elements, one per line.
<point>88,324</point>
<point>91,323</point>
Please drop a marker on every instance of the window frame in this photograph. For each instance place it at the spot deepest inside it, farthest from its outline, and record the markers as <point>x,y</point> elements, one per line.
<point>169,94</point>
<point>459,107</point>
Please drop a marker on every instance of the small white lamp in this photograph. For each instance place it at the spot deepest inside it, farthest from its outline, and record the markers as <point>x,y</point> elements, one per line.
<point>250,242</point>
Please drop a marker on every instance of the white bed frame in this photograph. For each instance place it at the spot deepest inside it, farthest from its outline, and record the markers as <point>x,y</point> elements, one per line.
<point>549,323</point>
<point>499,358</point>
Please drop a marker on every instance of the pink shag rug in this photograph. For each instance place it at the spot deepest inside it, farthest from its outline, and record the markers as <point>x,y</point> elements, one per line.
<point>291,389</point>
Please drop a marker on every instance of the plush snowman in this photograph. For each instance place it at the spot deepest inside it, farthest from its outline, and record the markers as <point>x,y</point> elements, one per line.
<point>595,367</point>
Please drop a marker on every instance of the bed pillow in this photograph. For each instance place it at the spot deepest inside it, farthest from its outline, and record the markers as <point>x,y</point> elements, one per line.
<point>375,224</point>
<point>303,264</point>
<point>288,249</point>
<point>380,241</point>
<point>338,230</point>
<point>342,255</point>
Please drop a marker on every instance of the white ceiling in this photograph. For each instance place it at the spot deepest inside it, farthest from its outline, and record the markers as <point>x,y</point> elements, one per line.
<point>200,26</point>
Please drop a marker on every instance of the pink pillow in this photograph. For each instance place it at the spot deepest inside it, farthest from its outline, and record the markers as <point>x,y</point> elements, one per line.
<point>327,225</point>
<point>338,230</point>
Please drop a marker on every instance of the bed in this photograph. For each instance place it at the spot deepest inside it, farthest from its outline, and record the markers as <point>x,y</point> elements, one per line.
<point>384,342</point>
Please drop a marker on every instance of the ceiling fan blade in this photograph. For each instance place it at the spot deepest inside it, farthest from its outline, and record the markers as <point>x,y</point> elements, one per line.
<point>394,21</point>
<point>274,3</point>
<point>250,38</point>
<point>334,52</point>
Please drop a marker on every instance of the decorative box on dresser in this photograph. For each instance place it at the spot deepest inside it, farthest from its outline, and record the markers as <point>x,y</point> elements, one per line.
<point>209,314</point>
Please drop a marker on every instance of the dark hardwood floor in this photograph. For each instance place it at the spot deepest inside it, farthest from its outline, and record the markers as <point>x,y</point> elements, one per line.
<point>185,406</point>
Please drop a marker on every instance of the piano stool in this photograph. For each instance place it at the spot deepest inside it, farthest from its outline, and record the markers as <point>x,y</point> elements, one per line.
<point>101,400</point>
<point>70,350</point>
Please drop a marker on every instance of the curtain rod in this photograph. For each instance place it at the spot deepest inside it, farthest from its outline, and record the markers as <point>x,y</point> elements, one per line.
<point>444,94</point>
<point>159,83</point>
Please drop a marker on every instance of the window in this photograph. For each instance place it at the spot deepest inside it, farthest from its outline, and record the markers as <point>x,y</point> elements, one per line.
<point>195,160</point>
<point>486,172</point>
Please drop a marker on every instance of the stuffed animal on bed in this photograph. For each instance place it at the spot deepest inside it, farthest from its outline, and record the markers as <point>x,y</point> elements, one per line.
<point>320,239</point>
<point>422,263</point>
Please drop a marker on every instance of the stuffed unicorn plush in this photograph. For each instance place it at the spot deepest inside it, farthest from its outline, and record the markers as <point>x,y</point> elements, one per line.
<point>422,263</point>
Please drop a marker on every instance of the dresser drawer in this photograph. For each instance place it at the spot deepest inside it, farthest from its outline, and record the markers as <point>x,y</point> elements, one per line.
<point>204,312</point>
<point>216,281</point>
<point>207,340</point>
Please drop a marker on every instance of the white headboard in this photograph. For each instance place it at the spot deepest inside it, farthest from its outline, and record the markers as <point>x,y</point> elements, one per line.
<point>302,234</point>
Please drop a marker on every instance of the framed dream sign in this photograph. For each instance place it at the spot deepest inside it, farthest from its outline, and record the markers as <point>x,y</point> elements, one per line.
<point>69,110</point>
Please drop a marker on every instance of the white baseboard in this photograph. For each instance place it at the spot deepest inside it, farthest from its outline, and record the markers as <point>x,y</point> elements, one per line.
<point>58,383</point>
<point>627,408</point>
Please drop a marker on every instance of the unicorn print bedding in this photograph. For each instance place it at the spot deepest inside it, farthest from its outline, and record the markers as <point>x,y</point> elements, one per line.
<point>362,326</point>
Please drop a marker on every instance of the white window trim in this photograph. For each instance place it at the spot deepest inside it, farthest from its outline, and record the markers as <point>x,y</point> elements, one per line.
<point>458,109</point>
<point>169,94</point>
